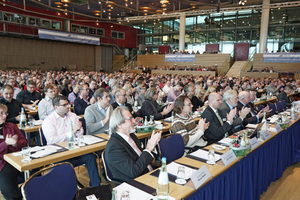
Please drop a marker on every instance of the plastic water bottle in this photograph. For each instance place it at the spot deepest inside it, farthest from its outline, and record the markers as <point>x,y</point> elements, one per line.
<point>70,137</point>
<point>162,188</point>
<point>264,118</point>
<point>293,110</point>
<point>22,119</point>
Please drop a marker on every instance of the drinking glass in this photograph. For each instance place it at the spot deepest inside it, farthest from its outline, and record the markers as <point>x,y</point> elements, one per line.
<point>180,176</point>
<point>211,157</point>
<point>125,195</point>
<point>81,141</point>
<point>26,151</point>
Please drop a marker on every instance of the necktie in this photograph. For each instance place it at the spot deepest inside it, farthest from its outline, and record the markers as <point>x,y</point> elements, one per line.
<point>221,122</point>
<point>138,151</point>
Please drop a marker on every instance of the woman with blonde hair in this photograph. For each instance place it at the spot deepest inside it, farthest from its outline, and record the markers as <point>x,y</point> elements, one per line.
<point>199,93</point>
<point>128,90</point>
<point>210,89</point>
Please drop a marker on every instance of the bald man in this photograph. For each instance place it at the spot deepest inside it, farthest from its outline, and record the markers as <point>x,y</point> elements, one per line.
<point>253,116</point>
<point>220,124</point>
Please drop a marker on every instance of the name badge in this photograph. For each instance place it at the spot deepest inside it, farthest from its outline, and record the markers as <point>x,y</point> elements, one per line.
<point>200,176</point>
<point>254,143</point>
<point>278,128</point>
<point>267,135</point>
<point>1,137</point>
<point>228,157</point>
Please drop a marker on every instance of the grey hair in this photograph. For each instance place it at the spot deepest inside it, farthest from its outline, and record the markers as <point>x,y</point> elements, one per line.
<point>116,118</point>
<point>150,93</point>
<point>229,94</point>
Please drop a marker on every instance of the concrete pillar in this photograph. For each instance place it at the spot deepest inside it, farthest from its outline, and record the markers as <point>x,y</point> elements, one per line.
<point>182,32</point>
<point>264,27</point>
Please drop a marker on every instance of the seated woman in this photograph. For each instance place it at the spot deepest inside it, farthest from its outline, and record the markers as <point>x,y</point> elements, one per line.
<point>184,124</point>
<point>151,107</point>
<point>11,140</point>
<point>210,89</point>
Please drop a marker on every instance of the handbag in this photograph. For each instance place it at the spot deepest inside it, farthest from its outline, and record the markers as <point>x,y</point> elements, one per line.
<point>102,192</point>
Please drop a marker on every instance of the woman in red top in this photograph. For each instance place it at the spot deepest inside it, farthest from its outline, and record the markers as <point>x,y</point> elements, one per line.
<point>11,140</point>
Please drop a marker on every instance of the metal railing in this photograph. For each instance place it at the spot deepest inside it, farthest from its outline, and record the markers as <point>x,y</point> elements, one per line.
<point>226,65</point>
<point>249,63</point>
<point>130,64</point>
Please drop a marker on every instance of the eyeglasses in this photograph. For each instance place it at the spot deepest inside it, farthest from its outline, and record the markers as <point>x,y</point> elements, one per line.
<point>187,104</point>
<point>123,95</point>
<point>3,113</point>
<point>129,118</point>
<point>64,105</point>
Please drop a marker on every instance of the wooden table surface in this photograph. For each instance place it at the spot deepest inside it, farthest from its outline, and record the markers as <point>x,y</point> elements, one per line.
<point>264,102</point>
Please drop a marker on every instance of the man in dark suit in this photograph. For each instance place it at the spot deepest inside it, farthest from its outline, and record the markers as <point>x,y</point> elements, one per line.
<point>121,101</point>
<point>220,124</point>
<point>83,100</point>
<point>253,116</point>
<point>124,153</point>
<point>253,95</point>
<point>230,102</point>
<point>283,95</point>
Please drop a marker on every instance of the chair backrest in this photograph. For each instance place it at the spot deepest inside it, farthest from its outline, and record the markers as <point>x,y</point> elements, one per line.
<point>260,107</point>
<point>172,147</point>
<point>279,106</point>
<point>59,184</point>
<point>83,125</point>
<point>25,135</point>
<point>107,171</point>
<point>283,104</point>
<point>273,108</point>
<point>42,137</point>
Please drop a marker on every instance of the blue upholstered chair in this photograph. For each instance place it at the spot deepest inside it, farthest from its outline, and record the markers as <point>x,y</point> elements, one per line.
<point>283,104</point>
<point>279,106</point>
<point>59,184</point>
<point>273,108</point>
<point>260,107</point>
<point>167,144</point>
<point>108,174</point>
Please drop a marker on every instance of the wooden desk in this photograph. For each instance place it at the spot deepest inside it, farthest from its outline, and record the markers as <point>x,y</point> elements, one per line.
<point>29,129</point>
<point>265,102</point>
<point>31,112</point>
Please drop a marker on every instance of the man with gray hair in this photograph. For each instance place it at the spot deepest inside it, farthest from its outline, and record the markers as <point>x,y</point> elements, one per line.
<point>124,153</point>
<point>121,101</point>
<point>252,117</point>
<point>283,96</point>
<point>97,116</point>
<point>220,124</point>
<point>229,103</point>
<point>189,91</point>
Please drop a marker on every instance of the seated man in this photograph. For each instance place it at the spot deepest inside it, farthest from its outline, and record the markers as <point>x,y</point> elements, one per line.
<point>253,116</point>
<point>92,88</point>
<point>175,92</point>
<point>252,93</point>
<point>125,156</point>
<point>283,96</point>
<point>97,115</point>
<point>11,81</point>
<point>29,96</point>
<point>189,90</point>
<point>74,94</point>
<point>184,124</point>
<point>229,103</point>
<point>83,100</point>
<point>56,127</point>
<point>46,106</point>
<point>121,101</point>
<point>220,125</point>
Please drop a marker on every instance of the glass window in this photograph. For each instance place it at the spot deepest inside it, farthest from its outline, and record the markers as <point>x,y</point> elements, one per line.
<point>278,16</point>
<point>200,37</point>
<point>14,18</point>
<point>100,32</point>
<point>175,39</point>
<point>83,29</point>
<point>244,20</point>
<point>92,31</point>
<point>190,23</point>
<point>168,26</point>
<point>114,34</point>
<point>57,25</point>
<point>157,27</point>
<point>75,28</point>
<point>46,23</point>
<point>157,39</point>
<point>214,36</point>
<point>228,35</point>
<point>201,22</point>
<point>256,18</point>
<point>229,22</point>
<point>167,39</point>
<point>190,37</point>
<point>293,15</point>
<point>34,21</point>
<point>275,33</point>
<point>121,35</point>
<point>176,24</point>
<point>255,35</point>
<point>243,35</point>
<point>1,16</point>
<point>148,40</point>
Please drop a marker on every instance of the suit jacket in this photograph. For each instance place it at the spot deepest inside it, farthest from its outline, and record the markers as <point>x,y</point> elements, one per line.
<point>196,103</point>
<point>283,96</point>
<point>129,106</point>
<point>123,162</point>
<point>249,118</point>
<point>93,120</point>
<point>237,120</point>
<point>80,105</point>
<point>151,108</point>
<point>216,131</point>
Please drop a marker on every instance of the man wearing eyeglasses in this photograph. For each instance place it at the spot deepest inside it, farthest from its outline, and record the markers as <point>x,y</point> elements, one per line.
<point>97,116</point>
<point>124,153</point>
<point>56,127</point>
<point>121,101</point>
<point>83,100</point>
<point>29,96</point>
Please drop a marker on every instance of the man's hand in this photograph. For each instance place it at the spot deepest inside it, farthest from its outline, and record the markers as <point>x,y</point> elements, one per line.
<point>202,125</point>
<point>244,112</point>
<point>92,100</point>
<point>168,109</point>
<point>18,117</point>
<point>77,126</point>
<point>153,141</point>
<point>34,103</point>
<point>260,114</point>
<point>11,140</point>
<point>231,115</point>
<point>106,119</point>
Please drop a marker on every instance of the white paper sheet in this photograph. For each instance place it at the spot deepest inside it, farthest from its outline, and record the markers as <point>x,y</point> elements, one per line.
<point>45,151</point>
<point>226,141</point>
<point>252,125</point>
<point>204,155</point>
<point>89,139</point>
<point>172,168</point>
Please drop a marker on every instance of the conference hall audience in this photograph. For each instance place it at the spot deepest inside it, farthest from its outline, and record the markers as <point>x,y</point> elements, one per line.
<point>126,157</point>
<point>56,127</point>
